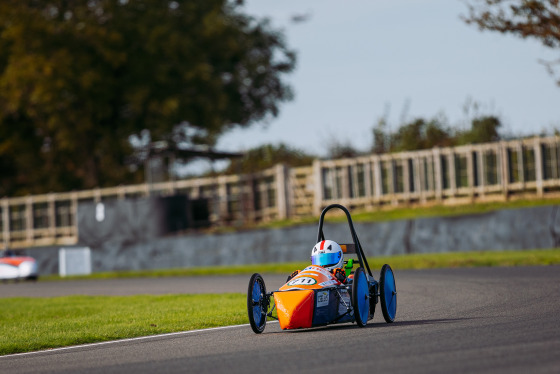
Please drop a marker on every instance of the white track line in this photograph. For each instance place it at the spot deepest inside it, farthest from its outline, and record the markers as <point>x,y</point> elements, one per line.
<point>125,340</point>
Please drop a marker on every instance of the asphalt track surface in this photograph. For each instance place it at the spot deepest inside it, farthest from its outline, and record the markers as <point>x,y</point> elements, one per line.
<point>478,320</point>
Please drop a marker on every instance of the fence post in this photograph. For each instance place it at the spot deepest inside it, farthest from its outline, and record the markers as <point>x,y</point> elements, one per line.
<point>74,213</point>
<point>504,165</point>
<point>121,192</point>
<point>417,186</point>
<point>6,222</point>
<point>423,184</point>
<point>29,226</point>
<point>354,181</point>
<point>470,171</point>
<point>282,192</point>
<point>378,183</point>
<point>317,187</point>
<point>223,213</point>
<point>52,215</point>
<point>368,178</point>
<point>554,158</point>
<point>452,173</point>
<point>345,192</point>
<point>406,177</point>
<point>521,164</point>
<point>391,178</point>
<point>538,166</point>
<point>481,171</point>
<point>438,173</point>
<point>248,209</point>
<point>97,195</point>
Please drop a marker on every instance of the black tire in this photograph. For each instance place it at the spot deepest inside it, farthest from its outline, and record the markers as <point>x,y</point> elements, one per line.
<point>360,297</point>
<point>388,293</point>
<point>374,289</point>
<point>257,303</point>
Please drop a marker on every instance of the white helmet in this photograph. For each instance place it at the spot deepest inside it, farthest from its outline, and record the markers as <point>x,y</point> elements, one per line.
<point>327,254</point>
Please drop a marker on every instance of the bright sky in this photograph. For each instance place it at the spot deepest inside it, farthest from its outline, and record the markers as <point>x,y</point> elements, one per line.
<point>358,58</point>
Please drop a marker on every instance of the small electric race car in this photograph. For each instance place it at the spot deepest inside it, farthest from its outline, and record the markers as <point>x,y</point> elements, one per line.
<point>14,267</point>
<point>315,297</point>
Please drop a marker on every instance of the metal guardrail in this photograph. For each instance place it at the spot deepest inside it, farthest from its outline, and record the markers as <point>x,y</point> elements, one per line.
<point>492,171</point>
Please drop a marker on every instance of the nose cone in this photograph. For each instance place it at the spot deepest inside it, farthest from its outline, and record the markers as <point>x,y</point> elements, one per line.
<point>27,269</point>
<point>295,308</point>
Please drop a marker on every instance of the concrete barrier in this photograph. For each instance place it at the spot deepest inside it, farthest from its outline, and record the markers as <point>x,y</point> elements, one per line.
<point>528,228</point>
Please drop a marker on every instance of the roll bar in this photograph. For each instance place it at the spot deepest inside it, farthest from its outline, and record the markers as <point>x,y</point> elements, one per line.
<point>359,251</point>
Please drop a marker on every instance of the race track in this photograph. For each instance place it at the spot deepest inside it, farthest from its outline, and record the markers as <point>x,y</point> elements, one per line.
<point>480,320</point>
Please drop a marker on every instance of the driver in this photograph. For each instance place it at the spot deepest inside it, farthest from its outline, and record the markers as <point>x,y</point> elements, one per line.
<point>328,254</point>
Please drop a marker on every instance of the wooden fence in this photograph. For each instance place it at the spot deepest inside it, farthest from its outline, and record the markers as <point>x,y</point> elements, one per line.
<point>530,167</point>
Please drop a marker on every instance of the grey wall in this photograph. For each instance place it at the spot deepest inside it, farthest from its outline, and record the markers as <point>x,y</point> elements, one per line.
<point>527,228</point>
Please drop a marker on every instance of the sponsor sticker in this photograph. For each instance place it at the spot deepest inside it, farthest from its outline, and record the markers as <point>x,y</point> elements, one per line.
<point>328,283</point>
<point>318,269</point>
<point>322,298</point>
<point>303,281</point>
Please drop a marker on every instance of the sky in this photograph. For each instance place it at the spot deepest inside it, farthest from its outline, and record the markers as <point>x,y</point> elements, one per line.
<point>362,60</point>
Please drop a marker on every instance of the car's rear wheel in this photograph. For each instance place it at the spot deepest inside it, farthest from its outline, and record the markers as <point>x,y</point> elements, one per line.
<point>388,293</point>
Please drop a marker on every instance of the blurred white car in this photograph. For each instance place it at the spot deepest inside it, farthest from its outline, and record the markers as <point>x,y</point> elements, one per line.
<point>14,267</point>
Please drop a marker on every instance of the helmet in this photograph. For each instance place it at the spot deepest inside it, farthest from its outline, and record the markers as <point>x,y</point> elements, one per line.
<point>327,254</point>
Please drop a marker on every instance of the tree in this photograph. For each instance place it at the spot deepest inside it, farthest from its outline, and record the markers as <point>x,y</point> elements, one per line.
<point>425,134</point>
<point>268,155</point>
<point>483,130</point>
<point>538,19</point>
<point>380,138</point>
<point>418,134</point>
<point>78,78</point>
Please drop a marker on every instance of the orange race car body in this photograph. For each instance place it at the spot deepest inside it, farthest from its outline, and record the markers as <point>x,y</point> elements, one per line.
<point>314,297</point>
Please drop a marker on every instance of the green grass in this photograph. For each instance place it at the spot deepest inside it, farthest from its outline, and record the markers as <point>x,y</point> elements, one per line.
<point>532,257</point>
<point>29,324</point>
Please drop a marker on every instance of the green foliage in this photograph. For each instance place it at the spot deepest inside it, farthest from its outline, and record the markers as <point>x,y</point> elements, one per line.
<point>337,148</point>
<point>484,129</point>
<point>380,138</point>
<point>77,78</point>
<point>268,155</point>
<point>422,134</point>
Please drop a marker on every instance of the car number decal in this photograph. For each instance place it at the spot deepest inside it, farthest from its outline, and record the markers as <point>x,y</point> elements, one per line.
<point>304,281</point>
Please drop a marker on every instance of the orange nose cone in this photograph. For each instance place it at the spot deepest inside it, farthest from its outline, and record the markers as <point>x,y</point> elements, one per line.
<point>295,308</point>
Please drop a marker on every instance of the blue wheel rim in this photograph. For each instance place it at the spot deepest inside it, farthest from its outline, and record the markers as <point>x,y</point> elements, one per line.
<point>257,304</point>
<point>363,301</point>
<point>390,294</point>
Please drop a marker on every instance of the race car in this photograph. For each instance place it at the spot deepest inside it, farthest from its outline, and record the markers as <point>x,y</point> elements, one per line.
<point>315,297</point>
<point>13,267</point>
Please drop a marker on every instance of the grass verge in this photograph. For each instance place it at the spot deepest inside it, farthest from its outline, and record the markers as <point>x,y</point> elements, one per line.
<point>30,324</point>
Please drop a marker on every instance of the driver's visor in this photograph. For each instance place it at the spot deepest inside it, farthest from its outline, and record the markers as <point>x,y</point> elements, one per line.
<point>324,259</point>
